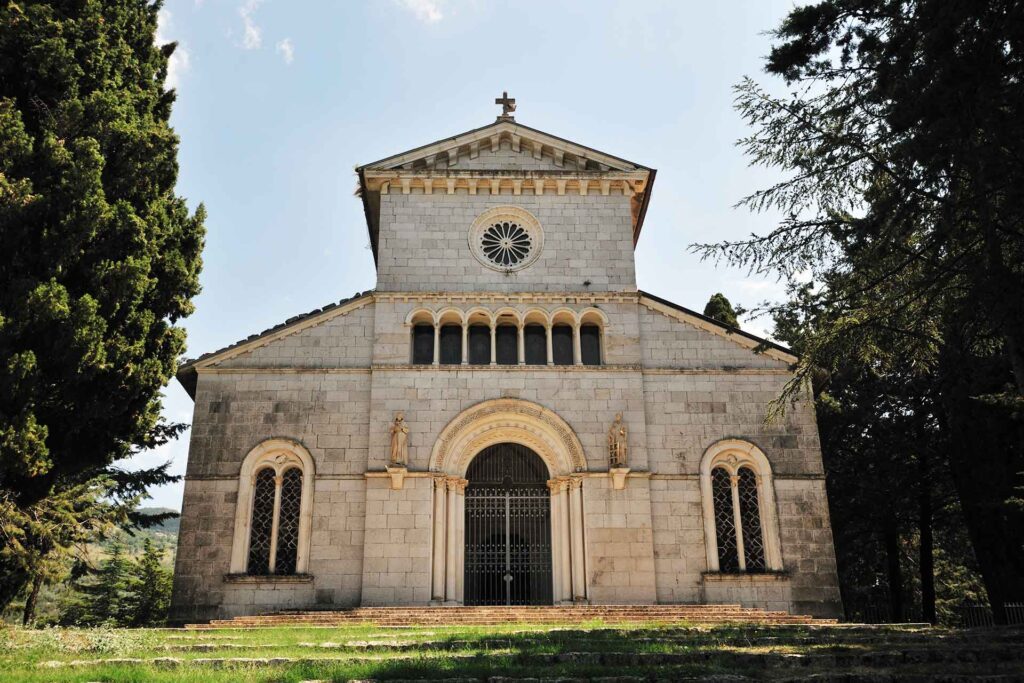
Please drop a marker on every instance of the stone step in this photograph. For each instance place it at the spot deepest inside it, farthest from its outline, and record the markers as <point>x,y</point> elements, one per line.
<point>995,659</point>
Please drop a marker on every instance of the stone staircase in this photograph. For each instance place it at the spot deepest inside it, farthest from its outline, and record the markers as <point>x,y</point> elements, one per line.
<point>493,616</point>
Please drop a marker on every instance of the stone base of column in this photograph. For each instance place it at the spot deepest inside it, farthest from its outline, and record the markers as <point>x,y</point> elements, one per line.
<point>452,603</point>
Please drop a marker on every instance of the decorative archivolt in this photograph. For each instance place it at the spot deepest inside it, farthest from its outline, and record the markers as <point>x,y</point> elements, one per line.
<point>508,420</point>
<point>506,315</point>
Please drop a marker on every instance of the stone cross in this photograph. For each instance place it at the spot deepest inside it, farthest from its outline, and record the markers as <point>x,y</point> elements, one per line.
<point>508,105</point>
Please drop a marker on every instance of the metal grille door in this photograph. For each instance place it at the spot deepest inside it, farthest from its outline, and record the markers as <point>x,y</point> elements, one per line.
<point>508,528</point>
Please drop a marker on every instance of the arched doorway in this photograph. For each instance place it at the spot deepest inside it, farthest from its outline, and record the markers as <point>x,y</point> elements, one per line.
<point>507,528</point>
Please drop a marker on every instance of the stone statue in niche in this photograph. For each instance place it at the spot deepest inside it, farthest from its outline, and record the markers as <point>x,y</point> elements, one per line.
<point>617,445</point>
<point>399,441</point>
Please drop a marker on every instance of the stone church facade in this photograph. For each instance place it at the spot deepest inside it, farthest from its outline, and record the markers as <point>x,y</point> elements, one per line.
<point>505,419</point>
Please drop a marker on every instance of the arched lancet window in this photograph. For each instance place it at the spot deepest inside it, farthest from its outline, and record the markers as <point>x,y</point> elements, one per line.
<point>273,519</point>
<point>740,525</point>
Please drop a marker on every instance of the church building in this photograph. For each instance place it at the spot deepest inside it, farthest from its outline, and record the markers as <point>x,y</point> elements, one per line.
<point>504,420</point>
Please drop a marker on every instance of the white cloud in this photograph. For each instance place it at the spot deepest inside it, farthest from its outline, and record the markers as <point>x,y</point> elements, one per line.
<point>252,37</point>
<point>286,50</point>
<point>427,11</point>
<point>178,64</point>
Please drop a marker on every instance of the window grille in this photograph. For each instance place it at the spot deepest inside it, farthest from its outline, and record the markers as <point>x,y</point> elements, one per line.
<point>506,244</point>
<point>750,520</point>
<point>288,522</point>
<point>725,525</point>
<point>262,525</point>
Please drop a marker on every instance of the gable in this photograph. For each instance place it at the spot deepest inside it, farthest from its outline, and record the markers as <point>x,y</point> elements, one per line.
<point>345,343</point>
<point>344,340</point>
<point>672,336</point>
<point>504,157</point>
<point>562,154</point>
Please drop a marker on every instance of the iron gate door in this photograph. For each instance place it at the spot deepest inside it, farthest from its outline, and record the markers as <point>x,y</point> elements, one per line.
<point>508,528</point>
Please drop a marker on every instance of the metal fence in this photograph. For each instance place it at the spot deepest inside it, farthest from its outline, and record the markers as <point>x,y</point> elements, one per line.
<point>979,614</point>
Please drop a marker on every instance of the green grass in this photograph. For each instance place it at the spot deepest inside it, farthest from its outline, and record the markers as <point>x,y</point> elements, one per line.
<point>514,650</point>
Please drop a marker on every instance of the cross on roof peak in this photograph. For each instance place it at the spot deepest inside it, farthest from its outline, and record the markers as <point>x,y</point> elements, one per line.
<point>508,105</point>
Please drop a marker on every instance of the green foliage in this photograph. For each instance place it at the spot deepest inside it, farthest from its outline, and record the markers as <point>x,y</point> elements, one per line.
<point>721,309</point>
<point>99,260</point>
<point>902,138</point>
<point>120,592</point>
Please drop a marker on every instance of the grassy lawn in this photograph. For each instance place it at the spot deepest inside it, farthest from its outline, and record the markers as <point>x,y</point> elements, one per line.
<point>668,652</point>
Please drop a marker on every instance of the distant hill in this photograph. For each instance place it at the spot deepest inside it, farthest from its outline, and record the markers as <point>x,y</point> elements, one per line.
<point>168,525</point>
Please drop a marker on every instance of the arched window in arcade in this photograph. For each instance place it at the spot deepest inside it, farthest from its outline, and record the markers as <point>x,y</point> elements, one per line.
<point>272,523</point>
<point>738,493</point>
<point>508,338</point>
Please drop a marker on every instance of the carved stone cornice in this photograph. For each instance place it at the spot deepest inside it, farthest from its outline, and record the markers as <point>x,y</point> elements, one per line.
<point>511,182</point>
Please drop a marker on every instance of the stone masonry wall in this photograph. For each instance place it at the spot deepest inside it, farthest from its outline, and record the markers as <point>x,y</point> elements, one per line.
<point>620,553</point>
<point>671,343</point>
<point>423,243</point>
<point>343,341</point>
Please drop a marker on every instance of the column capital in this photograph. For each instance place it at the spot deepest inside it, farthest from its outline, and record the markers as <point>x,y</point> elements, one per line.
<point>575,482</point>
<point>457,484</point>
<point>556,485</point>
<point>440,481</point>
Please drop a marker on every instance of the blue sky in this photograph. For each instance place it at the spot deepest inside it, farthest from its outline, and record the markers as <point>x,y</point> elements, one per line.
<point>279,101</point>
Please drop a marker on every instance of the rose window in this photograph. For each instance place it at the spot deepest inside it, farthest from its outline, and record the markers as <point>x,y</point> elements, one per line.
<point>506,244</point>
<point>506,238</point>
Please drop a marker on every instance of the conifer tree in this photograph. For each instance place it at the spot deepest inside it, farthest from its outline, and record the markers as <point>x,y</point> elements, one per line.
<point>902,139</point>
<point>149,602</point>
<point>99,261</point>
<point>720,308</point>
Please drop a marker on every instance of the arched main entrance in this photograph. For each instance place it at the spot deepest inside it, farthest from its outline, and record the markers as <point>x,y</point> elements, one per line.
<point>507,528</point>
<point>555,453</point>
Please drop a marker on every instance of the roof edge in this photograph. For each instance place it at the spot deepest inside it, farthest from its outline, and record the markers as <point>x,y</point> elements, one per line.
<point>188,372</point>
<point>787,353</point>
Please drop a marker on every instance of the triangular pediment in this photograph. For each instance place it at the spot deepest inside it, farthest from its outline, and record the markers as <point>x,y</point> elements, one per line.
<point>504,145</point>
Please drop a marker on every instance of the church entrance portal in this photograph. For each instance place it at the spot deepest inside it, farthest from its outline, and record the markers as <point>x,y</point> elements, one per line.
<point>508,528</point>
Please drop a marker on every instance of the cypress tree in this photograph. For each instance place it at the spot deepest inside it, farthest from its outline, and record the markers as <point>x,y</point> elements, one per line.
<point>99,261</point>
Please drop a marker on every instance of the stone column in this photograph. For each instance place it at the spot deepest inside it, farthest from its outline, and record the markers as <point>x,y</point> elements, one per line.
<point>460,538</point>
<point>451,549</point>
<point>579,588</point>
<point>465,343</point>
<point>734,482</point>
<point>551,355</point>
<point>577,353</point>
<point>437,589</point>
<point>494,344</point>
<point>566,540</point>
<point>437,343</point>
<point>554,486</point>
<point>521,345</point>
<point>275,523</point>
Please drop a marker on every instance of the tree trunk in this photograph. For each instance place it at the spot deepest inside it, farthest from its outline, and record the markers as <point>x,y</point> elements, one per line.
<point>895,574</point>
<point>29,614</point>
<point>986,458</point>
<point>927,557</point>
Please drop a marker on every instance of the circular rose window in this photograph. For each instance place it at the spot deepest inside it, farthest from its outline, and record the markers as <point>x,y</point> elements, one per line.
<point>506,238</point>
